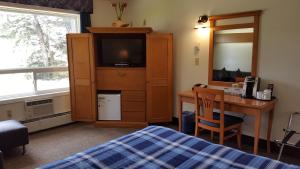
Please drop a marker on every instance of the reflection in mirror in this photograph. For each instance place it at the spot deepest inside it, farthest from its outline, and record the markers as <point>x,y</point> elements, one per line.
<point>232,54</point>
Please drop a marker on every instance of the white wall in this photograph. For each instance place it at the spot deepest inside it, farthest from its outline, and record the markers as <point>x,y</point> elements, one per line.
<point>104,14</point>
<point>278,61</point>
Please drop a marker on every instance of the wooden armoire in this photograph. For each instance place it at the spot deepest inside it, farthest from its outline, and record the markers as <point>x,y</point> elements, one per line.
<point>146,92</point>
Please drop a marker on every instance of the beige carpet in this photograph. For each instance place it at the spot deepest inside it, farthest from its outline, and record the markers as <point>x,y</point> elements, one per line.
<point>58,143</point>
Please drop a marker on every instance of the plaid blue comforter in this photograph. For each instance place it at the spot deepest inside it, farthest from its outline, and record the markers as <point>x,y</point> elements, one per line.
<point>159,147</point>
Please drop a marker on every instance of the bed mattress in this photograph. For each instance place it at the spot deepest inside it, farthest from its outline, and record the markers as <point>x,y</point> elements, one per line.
<point>160,147</point>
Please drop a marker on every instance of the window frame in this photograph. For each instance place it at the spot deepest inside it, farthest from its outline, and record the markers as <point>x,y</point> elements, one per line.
<point>40,11</point>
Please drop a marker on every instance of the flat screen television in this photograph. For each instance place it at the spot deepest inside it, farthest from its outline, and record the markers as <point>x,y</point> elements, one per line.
<point>121,50</point>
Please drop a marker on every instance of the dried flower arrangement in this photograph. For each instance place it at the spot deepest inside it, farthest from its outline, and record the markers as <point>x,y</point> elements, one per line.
<point>119,9</point>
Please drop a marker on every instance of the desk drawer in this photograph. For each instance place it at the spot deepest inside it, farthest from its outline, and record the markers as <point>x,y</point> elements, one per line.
<point>133,106</point>
<point>133,116</point>
<point>121,79</point>
<point>133,95</point>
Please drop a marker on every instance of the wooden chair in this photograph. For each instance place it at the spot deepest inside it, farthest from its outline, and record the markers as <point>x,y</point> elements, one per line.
<point>205,99</point>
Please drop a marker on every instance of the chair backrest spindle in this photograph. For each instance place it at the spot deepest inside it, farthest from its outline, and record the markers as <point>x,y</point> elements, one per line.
<point>206,98</point>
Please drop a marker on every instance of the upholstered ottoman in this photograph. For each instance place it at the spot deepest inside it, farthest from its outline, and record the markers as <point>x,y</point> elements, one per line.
<point>1,161</point>
<point>13,134</point>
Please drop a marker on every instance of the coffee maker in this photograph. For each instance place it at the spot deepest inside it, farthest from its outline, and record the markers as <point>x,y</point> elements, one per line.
<point>250,87</point>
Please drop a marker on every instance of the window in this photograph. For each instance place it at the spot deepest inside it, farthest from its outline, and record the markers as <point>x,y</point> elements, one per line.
<point>33,55</point>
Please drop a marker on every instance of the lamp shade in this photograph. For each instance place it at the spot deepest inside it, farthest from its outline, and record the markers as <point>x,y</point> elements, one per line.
<point>202,22</point>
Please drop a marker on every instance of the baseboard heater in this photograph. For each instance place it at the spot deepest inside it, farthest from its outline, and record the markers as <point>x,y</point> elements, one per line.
<point>46,122</point>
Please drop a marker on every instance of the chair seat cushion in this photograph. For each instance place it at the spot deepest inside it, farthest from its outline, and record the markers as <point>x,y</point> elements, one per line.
<point>228,120</point>
<point>12,134</point>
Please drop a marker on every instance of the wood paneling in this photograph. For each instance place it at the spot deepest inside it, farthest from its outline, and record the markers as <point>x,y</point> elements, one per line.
<point>133,106</point>
<point>159,77</point>
<point>133,95</point>
<point>83,104</point>
<point>234,38</point>
<point>134,116</point>
<point>82,76</point>
<point>255,45</point>
<point>121,78</point>
<point>233,26</point>
<point>211,52</point>
<point>159,110</point>
<point>236,15</point>
<point>146,96</point>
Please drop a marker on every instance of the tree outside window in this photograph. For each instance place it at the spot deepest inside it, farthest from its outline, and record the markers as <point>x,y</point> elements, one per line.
<point>34,41</point>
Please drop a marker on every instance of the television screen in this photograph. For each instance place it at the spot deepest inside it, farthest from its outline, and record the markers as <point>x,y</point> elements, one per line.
<point>124,50</point>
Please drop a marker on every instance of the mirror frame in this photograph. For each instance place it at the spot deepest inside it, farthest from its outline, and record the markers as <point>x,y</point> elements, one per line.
<point>213,28</point>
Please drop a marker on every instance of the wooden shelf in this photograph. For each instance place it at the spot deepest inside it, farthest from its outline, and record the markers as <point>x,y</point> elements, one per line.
<point>120,30</point>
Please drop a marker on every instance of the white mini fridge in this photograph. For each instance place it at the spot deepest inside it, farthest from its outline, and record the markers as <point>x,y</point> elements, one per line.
<point>109,106</point>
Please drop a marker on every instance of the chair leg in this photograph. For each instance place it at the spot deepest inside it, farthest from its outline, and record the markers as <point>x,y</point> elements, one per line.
<point>211,135</point>
<point>221,141</point>
<point>239,137</point>
<point>197,131</point>
<point>24,150</point>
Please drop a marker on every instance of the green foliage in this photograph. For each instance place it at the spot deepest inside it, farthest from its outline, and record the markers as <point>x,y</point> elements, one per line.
<point>42,35</point>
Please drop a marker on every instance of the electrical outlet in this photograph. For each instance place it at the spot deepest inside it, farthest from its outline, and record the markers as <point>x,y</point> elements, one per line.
<point>9,114</point>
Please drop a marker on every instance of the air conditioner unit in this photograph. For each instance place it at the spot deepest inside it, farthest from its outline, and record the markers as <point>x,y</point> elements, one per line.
<point>38,108</point>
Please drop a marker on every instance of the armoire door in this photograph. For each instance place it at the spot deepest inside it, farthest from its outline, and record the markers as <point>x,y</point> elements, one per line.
<point>82,76</point>
<point>159,78</point>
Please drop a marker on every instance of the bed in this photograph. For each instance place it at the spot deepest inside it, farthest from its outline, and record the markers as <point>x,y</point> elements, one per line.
<point>160,147</point>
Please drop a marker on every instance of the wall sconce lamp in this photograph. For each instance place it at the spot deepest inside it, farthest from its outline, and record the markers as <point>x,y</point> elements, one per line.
<point>202,22</point>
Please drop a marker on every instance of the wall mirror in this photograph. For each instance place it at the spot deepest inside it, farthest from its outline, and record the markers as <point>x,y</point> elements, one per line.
<point>233,47</point>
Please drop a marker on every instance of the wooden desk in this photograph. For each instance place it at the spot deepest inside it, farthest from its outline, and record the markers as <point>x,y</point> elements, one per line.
<point>239,105</point>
